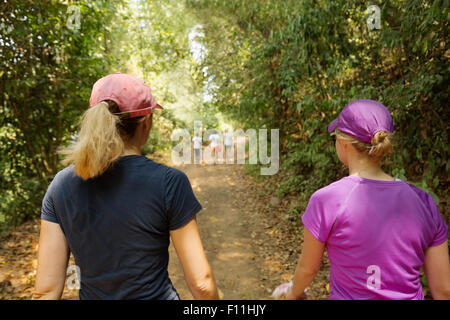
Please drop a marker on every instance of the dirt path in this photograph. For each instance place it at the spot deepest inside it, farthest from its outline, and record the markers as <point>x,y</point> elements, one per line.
<point>249,246</point>
<point>227,233</point>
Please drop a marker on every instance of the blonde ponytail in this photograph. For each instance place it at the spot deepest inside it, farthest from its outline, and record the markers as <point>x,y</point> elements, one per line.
<point>98,145</point>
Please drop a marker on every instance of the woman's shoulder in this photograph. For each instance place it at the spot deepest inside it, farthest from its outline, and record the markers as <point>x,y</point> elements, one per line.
<point>336,188</point>
<point>169,172</point>
<point>174,173</point>
<point>61,179</point>
<point>424,196</point>
<point>65,174</point>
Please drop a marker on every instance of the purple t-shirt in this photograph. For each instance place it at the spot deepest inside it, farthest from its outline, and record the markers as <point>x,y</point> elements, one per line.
<point>376,233</point>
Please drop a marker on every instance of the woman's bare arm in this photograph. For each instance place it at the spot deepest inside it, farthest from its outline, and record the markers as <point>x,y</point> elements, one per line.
<point>307,267</point>
<point>53,258</point>
<point>437,271</point>
<point>197,271</point>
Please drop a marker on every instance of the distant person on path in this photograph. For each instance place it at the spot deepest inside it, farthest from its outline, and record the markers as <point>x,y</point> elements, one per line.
<point>228,142</point>
<point>214,145</point>
<point>378,230</point>
<point>197,148</point>
<point>116,209</point>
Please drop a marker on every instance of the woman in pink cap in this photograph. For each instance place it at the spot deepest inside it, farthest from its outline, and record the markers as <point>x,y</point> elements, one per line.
<point>378,231</point>
<point>116,210</point>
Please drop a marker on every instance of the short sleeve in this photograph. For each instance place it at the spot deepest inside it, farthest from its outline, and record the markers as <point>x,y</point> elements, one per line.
<point>441,228</point>
<point>317,219</point>
<point>181,203</point>
<point>48,211</point>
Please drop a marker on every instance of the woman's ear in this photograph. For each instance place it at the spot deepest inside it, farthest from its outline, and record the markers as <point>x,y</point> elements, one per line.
<point>348,147</point>
<point>148,122</point>
<point>344,143</point>
<point>146,126</point>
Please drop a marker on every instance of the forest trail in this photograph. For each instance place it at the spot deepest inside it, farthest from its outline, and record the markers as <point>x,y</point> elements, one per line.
<point>250,248</point>
<point>227,229</point>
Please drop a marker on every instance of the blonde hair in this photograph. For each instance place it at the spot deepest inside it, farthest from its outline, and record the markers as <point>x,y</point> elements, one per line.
<point>380,146</point>
<point>100,141</point>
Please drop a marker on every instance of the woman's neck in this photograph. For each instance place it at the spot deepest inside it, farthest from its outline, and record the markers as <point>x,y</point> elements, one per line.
<point>368,169</point>
<point>131,150</point>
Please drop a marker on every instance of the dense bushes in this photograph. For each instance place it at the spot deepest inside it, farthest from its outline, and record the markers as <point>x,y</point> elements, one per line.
<point>295,64</point>
<point>290,64</point>
<point>48,64</point>
<point>51,54</point>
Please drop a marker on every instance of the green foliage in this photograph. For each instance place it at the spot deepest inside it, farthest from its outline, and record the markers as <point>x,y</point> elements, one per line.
<point>291,65</point>
<point>51,54</point>
<point>294,65</point>
<point>47,66</point>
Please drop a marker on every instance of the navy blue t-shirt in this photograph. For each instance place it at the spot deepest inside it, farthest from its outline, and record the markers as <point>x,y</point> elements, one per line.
<point>117,226</point>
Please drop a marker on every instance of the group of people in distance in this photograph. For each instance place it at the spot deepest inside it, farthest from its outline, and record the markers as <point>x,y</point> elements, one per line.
<point>116,211</point>
<point>215,146</point>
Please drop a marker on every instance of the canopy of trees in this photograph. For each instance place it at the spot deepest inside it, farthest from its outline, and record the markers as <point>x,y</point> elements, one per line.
<point>51,53</point>
<point>290,64</point>
<point>295,64</point>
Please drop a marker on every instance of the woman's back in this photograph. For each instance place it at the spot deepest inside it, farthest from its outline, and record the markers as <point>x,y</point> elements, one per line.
<point>117,226</point>
<point>376,234</point>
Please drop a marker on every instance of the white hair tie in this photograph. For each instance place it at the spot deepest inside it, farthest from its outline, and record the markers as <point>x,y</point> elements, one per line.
<point>371,149</point>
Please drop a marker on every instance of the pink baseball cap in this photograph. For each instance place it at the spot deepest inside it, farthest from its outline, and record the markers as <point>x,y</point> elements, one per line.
<point>133,97</point>
<point>362,119</point>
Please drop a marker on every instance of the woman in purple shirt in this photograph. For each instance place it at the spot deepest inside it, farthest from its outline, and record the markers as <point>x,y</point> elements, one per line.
<point>378,231</point>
